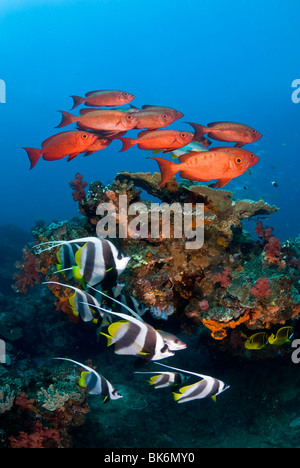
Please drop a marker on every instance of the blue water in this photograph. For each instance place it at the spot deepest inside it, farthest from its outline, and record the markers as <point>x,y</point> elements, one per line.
<point>222,60</point>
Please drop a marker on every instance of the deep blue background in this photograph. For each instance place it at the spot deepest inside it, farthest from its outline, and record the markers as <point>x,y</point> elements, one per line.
<point>213,60</point>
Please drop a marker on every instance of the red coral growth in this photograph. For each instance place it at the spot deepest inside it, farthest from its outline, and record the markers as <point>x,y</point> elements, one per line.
<point>203,305</point>
<point>78,187</point>
<point>272,250</point>
<point>35,439</point>
<point>223,278</point>
<point>263,233</point>
<point>261,288</point>
<point>28,275</point>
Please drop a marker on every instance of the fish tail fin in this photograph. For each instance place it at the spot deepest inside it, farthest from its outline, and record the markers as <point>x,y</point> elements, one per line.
<point>34,155</point>
<point>167,168</point>
<point>67,119</point>
<point>77,101</point>
<point>109,339</point>
<point>200,130</point>
<point>127,143</point>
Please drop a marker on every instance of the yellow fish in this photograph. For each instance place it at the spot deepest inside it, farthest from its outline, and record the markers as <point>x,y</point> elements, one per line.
<point>282,336</point>
<point>257,341</point>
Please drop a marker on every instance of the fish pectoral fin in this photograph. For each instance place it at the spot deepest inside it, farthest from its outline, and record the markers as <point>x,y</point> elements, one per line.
<point>72,156</point>
<point>214,398</point>
<point>221,182</point>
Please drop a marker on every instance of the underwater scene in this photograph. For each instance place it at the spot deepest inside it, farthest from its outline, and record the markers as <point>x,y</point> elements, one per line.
<point>149,232</point>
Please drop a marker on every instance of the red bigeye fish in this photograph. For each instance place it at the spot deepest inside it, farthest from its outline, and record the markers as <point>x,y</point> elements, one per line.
<point>101,119</point>
<point>166,140</point>
<point>175,113</point>
<point>227,131</point>
<point>103,99</point>
<point>243,153</point>
<point>152,119</point>
<point>63,144</point>
<point>204,166</point>
<point>98,145</point>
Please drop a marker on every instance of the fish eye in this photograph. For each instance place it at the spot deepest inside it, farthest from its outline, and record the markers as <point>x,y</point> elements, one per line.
<point>176,341</point>
<point>165,116</point>
<point>84,136</point>
<point>129,117</point>
<point>125,94</point>
<point>183,135</point>
<point>251,155</point>
<point>238,160</point>
<point>253,131</point>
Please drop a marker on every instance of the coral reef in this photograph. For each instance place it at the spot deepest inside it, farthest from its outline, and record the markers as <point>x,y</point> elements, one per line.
<point>231,282</point>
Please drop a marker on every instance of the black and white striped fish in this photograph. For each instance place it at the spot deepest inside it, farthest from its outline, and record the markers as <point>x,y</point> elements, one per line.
<point>165,379</point>
<point>94,383</point>
<point>97,262</point>
<point>208,387</point>
<point>66,259</point>
<point>133,337</point>
<point>82,304</point>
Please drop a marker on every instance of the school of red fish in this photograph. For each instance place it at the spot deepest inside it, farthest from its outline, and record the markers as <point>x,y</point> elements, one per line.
<point>97,128</point>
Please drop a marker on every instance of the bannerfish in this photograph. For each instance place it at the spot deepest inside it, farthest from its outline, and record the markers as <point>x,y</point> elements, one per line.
<point>98,261</point>
<point>66,259</point>
<point>136,338</point>
<point>152,119</point>
<point>175,113</point>
<point>208,387</point>
<point>94,383</point>
<point>282,336</point>
<point>204,166</point>
<point>100,119</point>
<point>83,305</point>
<point>227,131</point>
<point>59,146</point>
<point>174,343</point>
<point>164,140</point>
<point>165,379</point>
<point>104,98</point>
<point>257,341</point>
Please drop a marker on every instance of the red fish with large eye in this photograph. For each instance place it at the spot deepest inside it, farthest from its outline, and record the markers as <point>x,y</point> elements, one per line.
<point>176,114</point>
<point>227,131</point>
<point>63,144</point>
<point>100,119</point>
<point>205,166</point>
<point>152,119</point>
<point>167,140</point>
<point>243,153</point>
<point>104,98</point>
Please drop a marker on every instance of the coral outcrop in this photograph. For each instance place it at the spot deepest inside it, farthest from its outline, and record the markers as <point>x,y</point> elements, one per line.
<point>231,282</point>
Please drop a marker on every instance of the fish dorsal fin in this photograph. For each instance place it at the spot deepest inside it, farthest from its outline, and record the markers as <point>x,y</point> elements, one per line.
<point>87,111</point>
<point>93,92</point>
